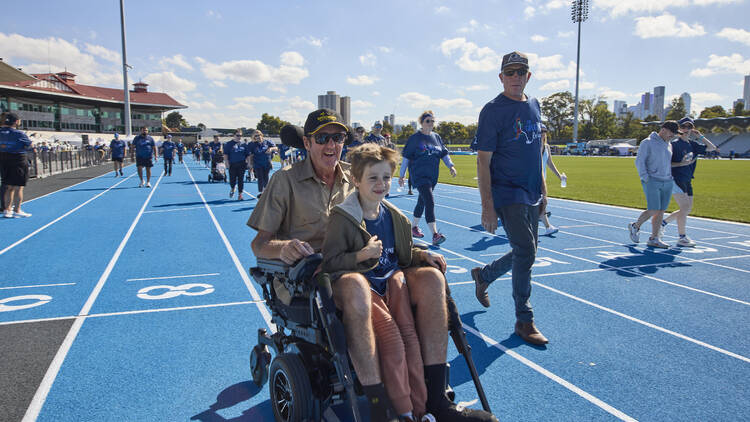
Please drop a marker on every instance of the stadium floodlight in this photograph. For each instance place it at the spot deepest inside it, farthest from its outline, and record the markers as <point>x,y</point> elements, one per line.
<point>579,12</point>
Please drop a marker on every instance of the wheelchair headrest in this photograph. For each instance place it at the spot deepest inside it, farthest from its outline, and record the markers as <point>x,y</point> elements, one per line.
<point>304,269</point>
<point>291,135</point>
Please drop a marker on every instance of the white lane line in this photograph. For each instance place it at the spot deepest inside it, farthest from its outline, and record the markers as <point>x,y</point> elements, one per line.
<point>68,187</point>
<point>589,247</point>
<point>35,232</point>
<point>577,226</point>
<point>200,207</point>
<point>648,324</point>
<point>142,311</point>
<point>681,259</point>
<point>54,368</point>
<point>243,273</point>
<point>568,385</point>
<point>719,238</point>
<point>172,276</point>
<point>253,196</point>
<point>37,285</point>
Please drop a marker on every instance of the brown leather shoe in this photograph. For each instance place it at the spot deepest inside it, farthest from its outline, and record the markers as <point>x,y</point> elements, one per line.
<point>528,332</point>
<point>481,287</point>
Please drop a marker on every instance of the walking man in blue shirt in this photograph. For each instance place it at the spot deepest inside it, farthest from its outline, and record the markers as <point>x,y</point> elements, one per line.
<point>237,154</point>
<point>180,149</point>
<point>511,184</point>
<point>14,168</point>
<point>117,148</point>
<point>145,148</point>
<point>375,137</point>
<point>167,148</point>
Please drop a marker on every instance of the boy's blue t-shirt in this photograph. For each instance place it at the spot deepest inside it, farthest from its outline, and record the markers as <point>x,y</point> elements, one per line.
<point>215,146</point>
<point>511,130</point>
<point>180,148</point>
<point>144,146</point>
<point>260,158</point>
<point>382,227</point>
<point>685,150</point>
<point>424,153</point>
<point>117,146</point>
<point>283,149</point>
<point>237,151</point>
<point>168,149</point>
<point>13,141</point>
<point>205,148</point>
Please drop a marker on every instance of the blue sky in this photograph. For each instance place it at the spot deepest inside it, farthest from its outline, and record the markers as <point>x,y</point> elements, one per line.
<point>231,61</point>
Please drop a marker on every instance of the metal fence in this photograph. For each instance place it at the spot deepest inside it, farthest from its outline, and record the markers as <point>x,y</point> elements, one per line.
<point>47,163</point>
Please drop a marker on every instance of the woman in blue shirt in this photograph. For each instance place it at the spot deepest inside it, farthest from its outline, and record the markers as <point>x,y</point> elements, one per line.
<point>685,152</point>
<point>424,150</point>
<point>14,169</point>
<point>261,153</point>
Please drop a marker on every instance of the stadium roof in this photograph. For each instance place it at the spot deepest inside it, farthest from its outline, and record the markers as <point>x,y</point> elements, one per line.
<point>63,84</point>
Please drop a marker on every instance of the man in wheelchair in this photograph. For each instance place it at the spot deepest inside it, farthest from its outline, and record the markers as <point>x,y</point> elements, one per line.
<point>290,220</point>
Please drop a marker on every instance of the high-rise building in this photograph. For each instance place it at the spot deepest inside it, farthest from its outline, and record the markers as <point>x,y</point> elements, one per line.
<point>647,105</point>
<point>393,120</point>
<point>746,93</point>
<point>413,125</point>
<point>658,108</point>
<point>620,108</point>
<point>686,99</point>
<point>330,100</point>
<point>345,108</point>
<point>636,111</point>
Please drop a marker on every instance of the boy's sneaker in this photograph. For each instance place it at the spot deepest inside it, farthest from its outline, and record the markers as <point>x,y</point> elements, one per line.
<point>22,214</point>
<point>231,193</point>
<point>634,237</point>
<point>239,197</point>
<point>121,174</point>
<point>141,185</point>
<point>8,214</point>
<point>656,243</point>
<point>438,238</point>
<point>685,241</point>
<point>148,185</point>
<point>551,230</point>
<point>416,232</point>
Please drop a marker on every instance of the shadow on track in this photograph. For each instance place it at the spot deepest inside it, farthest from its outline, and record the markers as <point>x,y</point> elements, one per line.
<point>647,262</point>
<point>232,396</point>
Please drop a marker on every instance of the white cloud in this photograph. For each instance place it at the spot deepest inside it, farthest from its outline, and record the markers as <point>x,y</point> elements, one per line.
<point>368,59</point>
<point>218,84</point>
<point>551,67</point>
<point>666,25</point>
<point>362,80</point>
<point>465,119</point>
<point>176,60</point>
<point>170,83</point>
<point>612,94</point>
<point>586,85</point>
<point>206,105</point>
<point>472,26</point>
<point>555,4</point>
<point>529,12</point>
<point>362,104</point>
<point>256,72</point>
<point>375,93</point>
<point>565,34</point>
<point>251,99</point>
<point>442,10</point>
<point>241,106</point>
<point>538,38</point>
<point>621,7</point>
<point>213,14</point>
<point>422,101</point>
<point>701,100</point>
<point>556,85</point>
<point>472,57</point>
<point>738,35</point>
<point>385,49</point>
<point>104,53</point>
<point>723,64</point>
<point>476,87</point>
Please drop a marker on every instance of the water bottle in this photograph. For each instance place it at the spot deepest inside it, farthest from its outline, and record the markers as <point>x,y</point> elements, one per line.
<point>563,180</point>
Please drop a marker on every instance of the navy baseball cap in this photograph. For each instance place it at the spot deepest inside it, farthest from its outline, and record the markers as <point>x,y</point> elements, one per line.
<point>685,120</point>
<point>515,57</point>
<point>321,118</point>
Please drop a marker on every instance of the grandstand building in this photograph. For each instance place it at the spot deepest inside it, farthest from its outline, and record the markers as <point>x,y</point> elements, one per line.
<point>55,102</point>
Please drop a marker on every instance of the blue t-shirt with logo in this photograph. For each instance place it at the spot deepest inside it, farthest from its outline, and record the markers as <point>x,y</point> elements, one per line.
<point>382,227</point>
<point>687,151</point>
<point>237,151</point>
<point>511,130</point>
<point>424,153</point>
<point>117,146</point>
<point>215,146</point>
<point>13,141</point>
<point>283,149</point>
<point>168,148</point>
<point>180,148</point>
<point>144,146</point>
<point>375,139</point>
<point>261,158</point>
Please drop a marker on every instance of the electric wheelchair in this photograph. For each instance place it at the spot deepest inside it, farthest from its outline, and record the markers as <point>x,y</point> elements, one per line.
<point>311,369</point>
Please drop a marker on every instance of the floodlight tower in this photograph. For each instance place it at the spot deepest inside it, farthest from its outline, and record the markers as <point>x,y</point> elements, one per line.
<point>579,12</point>
<point>125,66</point>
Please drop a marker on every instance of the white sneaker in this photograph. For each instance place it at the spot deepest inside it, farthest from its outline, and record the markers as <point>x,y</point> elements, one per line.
<point>8,214</point>
<point>231,193</point>
<point>22,214</point>
<point>685,241</point>
<point>148,185</point>
<point>551,230</point>
<point>634,237</point>
<point>657,243</point>
<point>662,229</point>
<point>141,185</point>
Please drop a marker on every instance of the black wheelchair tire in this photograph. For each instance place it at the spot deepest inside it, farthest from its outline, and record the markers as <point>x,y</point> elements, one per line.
<point>290,390</point>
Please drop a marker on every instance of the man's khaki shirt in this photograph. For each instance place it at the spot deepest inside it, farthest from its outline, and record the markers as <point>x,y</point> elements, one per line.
<point>296,203</point>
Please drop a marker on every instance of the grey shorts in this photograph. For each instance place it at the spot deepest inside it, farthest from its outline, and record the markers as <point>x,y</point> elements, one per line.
<point>658,193</point>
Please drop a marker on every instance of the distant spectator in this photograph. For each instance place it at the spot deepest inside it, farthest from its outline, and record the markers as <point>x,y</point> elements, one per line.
<point>145,148</point>
<point>375,137</point>
<point>14,168</point>
<point>117,146</point>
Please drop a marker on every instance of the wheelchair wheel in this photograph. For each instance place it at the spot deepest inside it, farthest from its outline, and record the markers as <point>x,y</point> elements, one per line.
<point>259,360</point>
<point>209,178</point>
<point>291,393</point>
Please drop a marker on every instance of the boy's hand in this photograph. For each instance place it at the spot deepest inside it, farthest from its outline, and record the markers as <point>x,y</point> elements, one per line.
<point>373,249</point>
<point>435,260</point>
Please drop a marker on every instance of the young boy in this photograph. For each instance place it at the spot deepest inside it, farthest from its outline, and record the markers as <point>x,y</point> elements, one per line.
<point>367,234</point>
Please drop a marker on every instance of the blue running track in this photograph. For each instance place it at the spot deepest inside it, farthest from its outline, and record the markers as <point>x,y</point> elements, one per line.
<point>162,314</point>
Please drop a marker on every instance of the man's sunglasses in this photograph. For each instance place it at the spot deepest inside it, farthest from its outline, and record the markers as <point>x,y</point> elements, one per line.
<point>519,72</point>
<point>322,138</point>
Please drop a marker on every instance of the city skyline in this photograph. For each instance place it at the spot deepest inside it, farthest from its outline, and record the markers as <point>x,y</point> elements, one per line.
<point>229,72</point>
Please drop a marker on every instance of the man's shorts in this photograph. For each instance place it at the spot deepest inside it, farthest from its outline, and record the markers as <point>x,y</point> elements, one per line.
<point>658,193</point>
<point>683,186</point>
<point>117,159</point>
<point>143,162</point>
<point>14,169</point>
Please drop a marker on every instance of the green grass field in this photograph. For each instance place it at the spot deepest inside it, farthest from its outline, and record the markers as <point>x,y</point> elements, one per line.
<point>722,187</point>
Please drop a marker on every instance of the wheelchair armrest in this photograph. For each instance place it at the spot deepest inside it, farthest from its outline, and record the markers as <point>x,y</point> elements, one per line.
<point>305,268</point>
